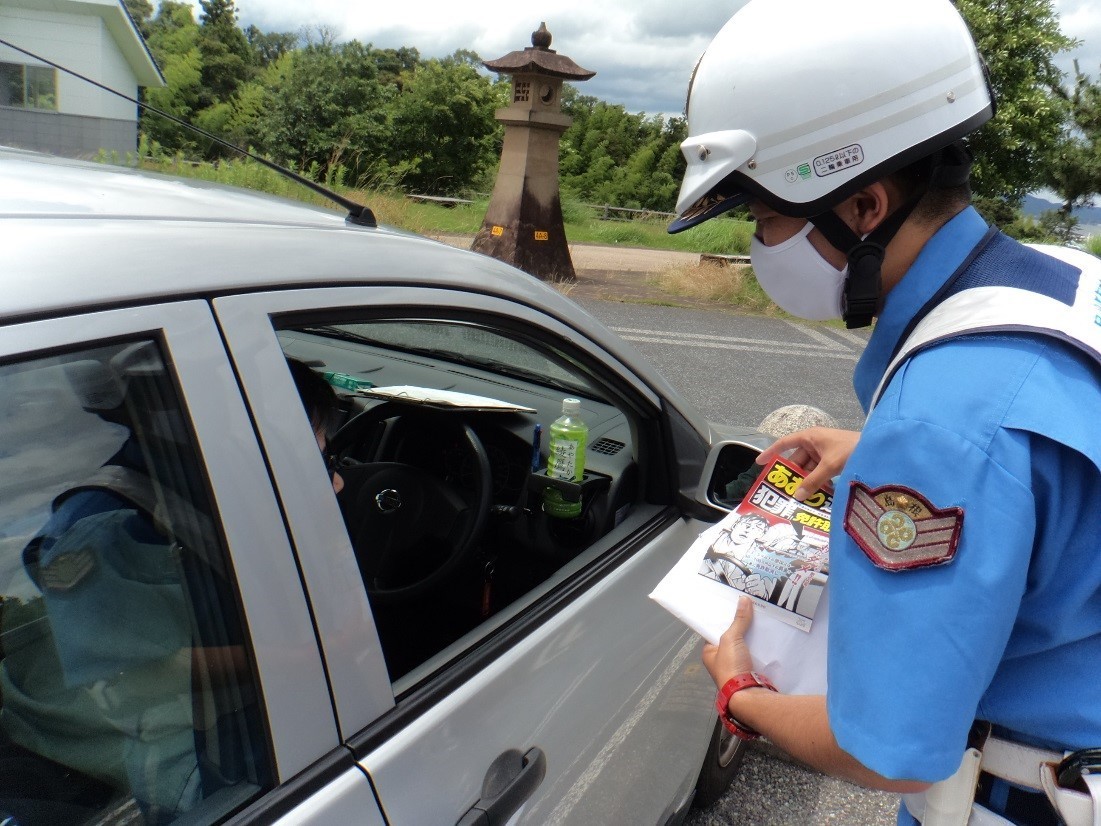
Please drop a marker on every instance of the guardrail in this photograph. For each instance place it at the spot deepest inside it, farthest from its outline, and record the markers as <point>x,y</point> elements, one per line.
<point>437,199</point>
<point>643,213</point>
<point>723,260</point>
<point>606,212</point>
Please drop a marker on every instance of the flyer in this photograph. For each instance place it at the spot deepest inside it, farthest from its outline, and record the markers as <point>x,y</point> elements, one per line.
<point>774,549</point>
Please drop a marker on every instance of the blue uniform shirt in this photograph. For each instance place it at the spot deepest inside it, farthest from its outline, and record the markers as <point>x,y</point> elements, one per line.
<point>1004,427</point>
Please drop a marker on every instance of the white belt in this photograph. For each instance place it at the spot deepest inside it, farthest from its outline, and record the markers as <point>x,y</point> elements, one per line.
<point>950,802</point>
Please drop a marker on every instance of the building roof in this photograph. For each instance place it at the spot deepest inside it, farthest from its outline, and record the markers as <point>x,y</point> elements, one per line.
<point>118,22</point>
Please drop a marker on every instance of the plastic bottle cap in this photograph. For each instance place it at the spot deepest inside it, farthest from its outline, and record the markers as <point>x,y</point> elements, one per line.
<point>571,405</point>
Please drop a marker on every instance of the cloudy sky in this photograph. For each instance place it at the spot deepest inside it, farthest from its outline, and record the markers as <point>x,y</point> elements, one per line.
<point>643,51</point>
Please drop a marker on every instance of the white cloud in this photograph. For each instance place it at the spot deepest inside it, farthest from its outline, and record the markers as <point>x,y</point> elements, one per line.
<point>1081,19</point>
<point>643,51</point>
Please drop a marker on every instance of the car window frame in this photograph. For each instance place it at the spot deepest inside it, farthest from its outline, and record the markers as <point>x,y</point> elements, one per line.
<point>297,715</point>
<point>361,686</point>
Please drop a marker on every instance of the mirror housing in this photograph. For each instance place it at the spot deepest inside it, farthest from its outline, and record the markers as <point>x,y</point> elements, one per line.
<point>726,462</point>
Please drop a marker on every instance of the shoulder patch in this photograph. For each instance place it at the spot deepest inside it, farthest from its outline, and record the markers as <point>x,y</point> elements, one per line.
<point>899,529</point>
<point>66,571</point>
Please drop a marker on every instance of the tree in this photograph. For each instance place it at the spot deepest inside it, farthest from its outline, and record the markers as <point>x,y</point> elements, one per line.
<point>174,41</point>
<point>394,63</point>
<point>1074,171</point>
<point>612,156</point>
<point>227,56</point>
<point>141,12</point>
<point>1019,40</point>
<point>267,47</point>
<point>444,133</point>
<point>323,105</point>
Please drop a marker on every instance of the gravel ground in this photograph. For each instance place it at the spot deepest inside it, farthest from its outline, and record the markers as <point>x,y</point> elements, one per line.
<point>610,273</point>
<point>773,790</point>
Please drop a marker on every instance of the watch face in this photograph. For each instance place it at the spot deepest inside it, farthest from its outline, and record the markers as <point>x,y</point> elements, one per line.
<point>546,93</point>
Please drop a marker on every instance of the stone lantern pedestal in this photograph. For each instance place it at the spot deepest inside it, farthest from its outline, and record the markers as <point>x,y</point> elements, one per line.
<point>523,224</point>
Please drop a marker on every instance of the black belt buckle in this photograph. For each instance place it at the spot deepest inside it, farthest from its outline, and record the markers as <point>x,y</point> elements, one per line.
<point>1075,765</point>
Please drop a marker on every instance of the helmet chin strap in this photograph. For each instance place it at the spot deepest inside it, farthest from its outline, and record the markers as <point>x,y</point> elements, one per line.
<point>951,167</point>
<point>862,286</point>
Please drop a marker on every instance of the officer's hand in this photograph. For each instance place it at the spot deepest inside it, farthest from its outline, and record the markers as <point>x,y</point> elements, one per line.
<point>731,656</point>
<point>820,451</point>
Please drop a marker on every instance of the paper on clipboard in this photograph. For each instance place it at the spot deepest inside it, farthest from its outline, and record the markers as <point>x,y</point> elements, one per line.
<point>432,397</point>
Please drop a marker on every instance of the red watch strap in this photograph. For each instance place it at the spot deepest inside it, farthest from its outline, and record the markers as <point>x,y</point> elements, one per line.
<point>748,679</point>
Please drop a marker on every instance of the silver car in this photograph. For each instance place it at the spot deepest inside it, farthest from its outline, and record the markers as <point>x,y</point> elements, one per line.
<point>217,605</point>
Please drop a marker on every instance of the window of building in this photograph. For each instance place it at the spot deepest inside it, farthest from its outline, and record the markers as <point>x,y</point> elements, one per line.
<point>29,87</point>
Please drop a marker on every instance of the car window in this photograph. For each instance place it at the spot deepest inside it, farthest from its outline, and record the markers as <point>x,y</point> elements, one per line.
<point>440,475</point>
<point>126,690</point>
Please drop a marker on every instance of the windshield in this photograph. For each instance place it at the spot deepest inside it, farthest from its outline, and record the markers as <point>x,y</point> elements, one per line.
<point>468,344</point>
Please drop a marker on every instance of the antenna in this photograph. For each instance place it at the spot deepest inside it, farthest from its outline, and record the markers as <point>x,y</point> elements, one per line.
<point>357,213</point>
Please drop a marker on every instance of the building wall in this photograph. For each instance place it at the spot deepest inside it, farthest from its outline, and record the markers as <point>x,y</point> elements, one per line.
<point>73,136</point>
<point>87,118</point>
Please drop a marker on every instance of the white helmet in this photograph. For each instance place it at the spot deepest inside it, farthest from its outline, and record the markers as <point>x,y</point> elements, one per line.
<point>800,103</point>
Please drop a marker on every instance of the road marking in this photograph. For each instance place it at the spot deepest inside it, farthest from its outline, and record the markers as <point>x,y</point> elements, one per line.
<point>817,335</point>
<point>726,339</point>
<point>859,341</point>
<point>825,347</point>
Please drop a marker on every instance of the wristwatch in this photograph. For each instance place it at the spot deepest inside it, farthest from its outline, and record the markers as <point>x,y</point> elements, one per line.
<point>748,679</point>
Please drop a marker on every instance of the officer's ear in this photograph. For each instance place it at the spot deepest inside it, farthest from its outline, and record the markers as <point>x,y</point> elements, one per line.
<point>867,208</point>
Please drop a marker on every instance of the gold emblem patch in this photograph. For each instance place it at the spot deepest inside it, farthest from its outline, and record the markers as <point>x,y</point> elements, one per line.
<point>899,529</point>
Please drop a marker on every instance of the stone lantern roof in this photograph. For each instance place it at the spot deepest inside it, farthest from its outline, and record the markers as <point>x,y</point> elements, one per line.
<point>538,59</point>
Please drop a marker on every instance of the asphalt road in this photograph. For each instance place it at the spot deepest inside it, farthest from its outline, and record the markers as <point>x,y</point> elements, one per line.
<point>736,369</point>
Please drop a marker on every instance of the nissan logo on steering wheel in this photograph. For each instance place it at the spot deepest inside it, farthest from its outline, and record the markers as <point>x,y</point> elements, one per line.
<point>388,500</point>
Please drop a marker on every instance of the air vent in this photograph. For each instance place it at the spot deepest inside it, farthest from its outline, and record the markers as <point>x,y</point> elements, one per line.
<point>609,447</point>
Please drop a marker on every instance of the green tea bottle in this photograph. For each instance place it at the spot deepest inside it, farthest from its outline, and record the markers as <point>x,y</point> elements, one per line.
<point>565,458</point>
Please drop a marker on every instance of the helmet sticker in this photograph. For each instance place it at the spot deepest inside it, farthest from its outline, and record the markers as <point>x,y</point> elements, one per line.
<point>838,160</point>
<point>798,173</point>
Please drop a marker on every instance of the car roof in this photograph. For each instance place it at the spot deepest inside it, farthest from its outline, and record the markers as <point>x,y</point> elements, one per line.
<point>46,185</point>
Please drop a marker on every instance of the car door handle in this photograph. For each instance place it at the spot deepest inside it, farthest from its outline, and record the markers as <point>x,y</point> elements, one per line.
<point>510,780</point>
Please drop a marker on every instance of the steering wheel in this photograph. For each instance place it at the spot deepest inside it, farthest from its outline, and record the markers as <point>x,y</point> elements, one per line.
<point>410,528</point>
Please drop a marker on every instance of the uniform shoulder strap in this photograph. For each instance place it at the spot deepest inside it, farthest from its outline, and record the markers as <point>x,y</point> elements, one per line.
<point>989,309</point>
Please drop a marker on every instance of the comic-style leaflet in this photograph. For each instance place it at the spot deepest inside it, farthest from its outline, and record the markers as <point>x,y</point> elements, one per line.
<point>775,550</point>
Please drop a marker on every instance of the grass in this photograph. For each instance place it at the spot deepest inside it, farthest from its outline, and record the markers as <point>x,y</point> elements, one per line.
<point>719,284</point>
<point>730,286</point>
<point>1093,244</point>
<point>582,223</point>
<point>582,226</point>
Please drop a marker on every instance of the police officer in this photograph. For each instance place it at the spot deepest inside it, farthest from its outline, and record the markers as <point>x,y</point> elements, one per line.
<point>965,616</point>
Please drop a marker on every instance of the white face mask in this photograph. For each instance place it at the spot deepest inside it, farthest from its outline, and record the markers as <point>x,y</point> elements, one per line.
<point>798,278</point>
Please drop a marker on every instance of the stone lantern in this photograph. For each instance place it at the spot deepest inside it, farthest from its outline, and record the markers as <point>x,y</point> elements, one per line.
<point>523,224</point>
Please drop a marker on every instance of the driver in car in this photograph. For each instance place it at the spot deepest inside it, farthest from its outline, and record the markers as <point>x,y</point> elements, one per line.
<point>319,399</point>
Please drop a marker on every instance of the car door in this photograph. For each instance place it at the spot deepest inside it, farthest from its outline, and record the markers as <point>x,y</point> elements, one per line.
<point>578,701</point>
<point>157,655</point>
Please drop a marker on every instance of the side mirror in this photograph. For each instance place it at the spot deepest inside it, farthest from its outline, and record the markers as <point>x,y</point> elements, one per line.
<point>731,467</point>
<point>727,473</point>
